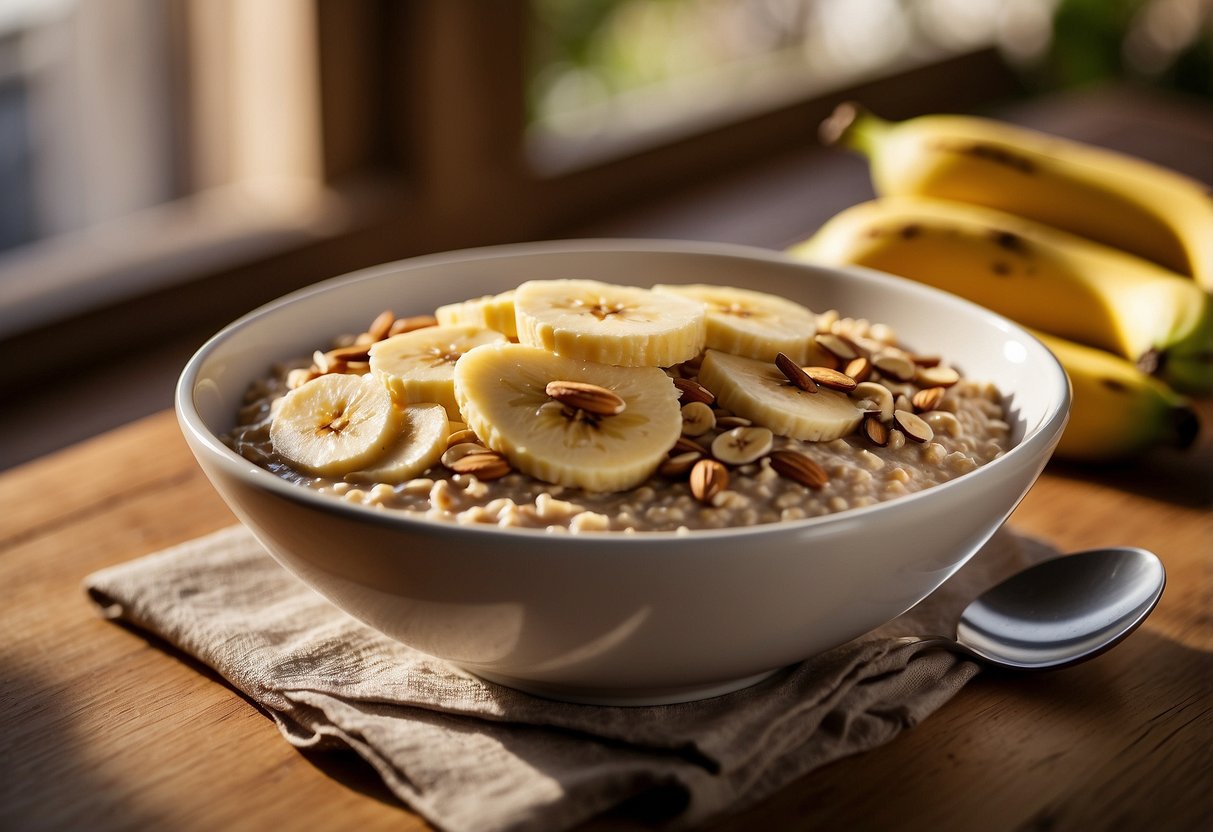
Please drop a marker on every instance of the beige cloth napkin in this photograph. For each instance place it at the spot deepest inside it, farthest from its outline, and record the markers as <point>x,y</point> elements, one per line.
<point>471,755</point>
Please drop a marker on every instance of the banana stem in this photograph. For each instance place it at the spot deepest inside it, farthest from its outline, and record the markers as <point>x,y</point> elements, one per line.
<point>854,126</point>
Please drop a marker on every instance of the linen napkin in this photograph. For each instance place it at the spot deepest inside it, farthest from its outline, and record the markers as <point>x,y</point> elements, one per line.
<point>471,755</point>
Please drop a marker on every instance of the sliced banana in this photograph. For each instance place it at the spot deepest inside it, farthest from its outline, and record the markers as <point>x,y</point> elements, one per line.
<point>419,445</point>
<point>621,325</point>
<point>502,395</point>
<point>753,324</point>
<point>419,366</point>
<point>758,391</point>
<point>494,312</point>
<point>335,424</point>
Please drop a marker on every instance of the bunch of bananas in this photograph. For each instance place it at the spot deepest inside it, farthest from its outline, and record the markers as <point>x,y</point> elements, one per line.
<point>1109,259</point>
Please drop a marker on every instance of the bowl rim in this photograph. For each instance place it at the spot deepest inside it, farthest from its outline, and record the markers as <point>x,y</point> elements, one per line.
<point>1038,440</point>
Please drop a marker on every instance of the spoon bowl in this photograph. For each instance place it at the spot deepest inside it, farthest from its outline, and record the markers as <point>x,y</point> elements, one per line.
<point>1061,611</point>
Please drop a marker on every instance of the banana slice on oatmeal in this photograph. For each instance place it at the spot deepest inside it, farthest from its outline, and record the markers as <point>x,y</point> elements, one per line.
<point>569,421</point>
<point>762,393</point>
<point>605,323</point>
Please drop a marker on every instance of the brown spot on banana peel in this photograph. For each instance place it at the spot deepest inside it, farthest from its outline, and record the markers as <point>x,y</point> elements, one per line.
<point>1000,268</point>
<point>909,232</point>
<point>1009,240</point>
<point>991,153</point>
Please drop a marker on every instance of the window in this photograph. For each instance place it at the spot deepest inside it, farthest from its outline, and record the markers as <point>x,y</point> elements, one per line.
<point>213,154</point>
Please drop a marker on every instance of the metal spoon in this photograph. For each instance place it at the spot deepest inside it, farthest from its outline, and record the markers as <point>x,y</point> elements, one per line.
<point>1060,611</point>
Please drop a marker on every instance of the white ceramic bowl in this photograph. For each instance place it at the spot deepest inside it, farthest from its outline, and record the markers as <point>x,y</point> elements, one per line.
<point>609,617</point>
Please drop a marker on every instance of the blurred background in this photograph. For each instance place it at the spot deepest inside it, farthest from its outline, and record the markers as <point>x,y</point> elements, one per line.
<point>166,165</point>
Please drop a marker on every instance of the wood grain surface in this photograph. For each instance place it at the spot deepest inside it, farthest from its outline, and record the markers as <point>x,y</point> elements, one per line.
<point>105,729</point>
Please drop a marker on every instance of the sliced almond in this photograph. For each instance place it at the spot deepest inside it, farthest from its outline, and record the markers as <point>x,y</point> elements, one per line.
<point>927,398</point>
<point>876,431</point>
<point>894,366</point>
<point>458,450</point>
<point>590,398</point>
<point>697,419</point>
<point>926,360</point>
<point>859,369</point>
<point>483,466</point>
<point>937,376</point>
<point>354,352</point>
<point>320,361</point>
<point>844,349</point>
<point>831,378</point>
<point>799,468</point>
<point>682,445</point>
<point>678,466</point>
<point>913,426</point>
<point>462,436</point>
<point>729,422</point>
<point>742,445</point>
<point>381,326</point>
<point>795,373</point>
<point>403,325</point>
<point>708,478</point>
<point>692,391</point>
<point>903,402</point>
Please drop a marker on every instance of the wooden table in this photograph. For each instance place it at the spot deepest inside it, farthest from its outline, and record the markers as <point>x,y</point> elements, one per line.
<point>104,728</point>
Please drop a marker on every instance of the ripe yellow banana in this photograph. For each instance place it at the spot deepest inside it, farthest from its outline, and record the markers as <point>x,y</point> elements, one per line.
<point>1036,275</point>
<point>1109,197</point>
<point>1117,410</point>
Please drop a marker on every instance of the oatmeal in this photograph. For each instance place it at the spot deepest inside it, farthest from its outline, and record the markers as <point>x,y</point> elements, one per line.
<point>725,408</point>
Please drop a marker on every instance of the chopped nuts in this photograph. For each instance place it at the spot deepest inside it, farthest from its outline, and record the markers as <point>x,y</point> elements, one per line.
<point>484,466</point>
<point>937,376</point>
<point>795,373</point>
<point>859,369</point>
<point>876,431</point>
<point>844,349</point>
<point>403,325</point>
<point>354,352</point>
<point>462,436</point>
<point>692,391</point>
<point>590,398</point>
<point>799,468</point>
<point>697,419</point>
<point>708,478</point>
<point>457,451</point>
<point>913,426</point>
<point>831,378</point>
<point>381,326</point>
<point>682,445</point>
<point>742,445</point>
<point>894,366</point>
<point>927,399</point>
<point>678,466</point>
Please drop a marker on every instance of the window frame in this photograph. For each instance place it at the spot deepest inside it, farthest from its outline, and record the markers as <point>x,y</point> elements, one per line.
<point>403,166</point>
